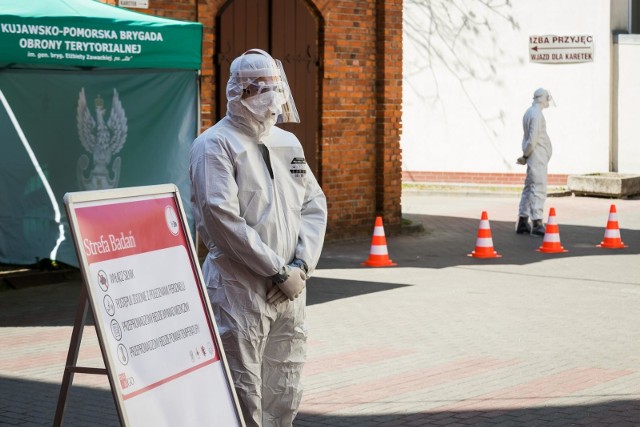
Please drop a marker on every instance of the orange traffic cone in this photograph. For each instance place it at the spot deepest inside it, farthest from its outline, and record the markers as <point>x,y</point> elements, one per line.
<point>551,242</point>
<point>612,239</point>
<point>379,256</point>
<point>484,242</point>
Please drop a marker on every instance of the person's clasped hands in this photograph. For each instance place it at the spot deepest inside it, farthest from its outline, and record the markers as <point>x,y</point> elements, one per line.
<point>289,288</point>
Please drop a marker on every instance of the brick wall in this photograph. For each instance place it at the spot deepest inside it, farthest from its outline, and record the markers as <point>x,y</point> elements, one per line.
<point>389,114</point>
<point>361,98</point>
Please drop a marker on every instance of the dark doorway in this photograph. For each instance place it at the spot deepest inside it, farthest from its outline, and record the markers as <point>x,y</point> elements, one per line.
<point>289,30</point>
<point>634,16</point>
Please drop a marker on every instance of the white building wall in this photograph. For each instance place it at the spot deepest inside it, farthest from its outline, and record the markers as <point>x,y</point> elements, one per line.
<point>468,81</point>
<point>628,73</point>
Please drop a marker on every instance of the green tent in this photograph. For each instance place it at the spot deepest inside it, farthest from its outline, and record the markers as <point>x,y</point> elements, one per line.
<point>88,33</point>
<point>91,97</point>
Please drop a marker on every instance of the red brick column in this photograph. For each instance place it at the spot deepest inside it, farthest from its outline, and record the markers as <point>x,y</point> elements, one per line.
<point>361,99</point>
<point>349,116</point>
<point>389,112</point>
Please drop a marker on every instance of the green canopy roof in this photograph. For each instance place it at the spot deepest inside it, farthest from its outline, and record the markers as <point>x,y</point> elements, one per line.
<point>87,33</point>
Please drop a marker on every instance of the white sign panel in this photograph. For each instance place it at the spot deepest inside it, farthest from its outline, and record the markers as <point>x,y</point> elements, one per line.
<point>552,49</point>
<point>156,329</point>
<point>136,4</point>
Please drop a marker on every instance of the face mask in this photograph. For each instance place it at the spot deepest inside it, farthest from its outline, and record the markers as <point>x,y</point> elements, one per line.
<point>265,105</point>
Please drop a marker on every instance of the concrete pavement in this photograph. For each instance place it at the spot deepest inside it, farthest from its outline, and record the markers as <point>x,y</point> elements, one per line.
<point>527,339</point>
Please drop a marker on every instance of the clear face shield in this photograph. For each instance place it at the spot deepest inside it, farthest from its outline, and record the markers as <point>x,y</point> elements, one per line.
<point>543,96</point>
<point>264,86</point>
<point>552,102</point>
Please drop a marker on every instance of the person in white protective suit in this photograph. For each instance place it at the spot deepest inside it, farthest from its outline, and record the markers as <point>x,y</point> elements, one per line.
<point>262,215</point>
<point>536,149</point>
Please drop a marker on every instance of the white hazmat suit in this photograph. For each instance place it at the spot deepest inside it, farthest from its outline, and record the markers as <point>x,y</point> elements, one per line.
<point>537,150</point>
<point>262,215</point>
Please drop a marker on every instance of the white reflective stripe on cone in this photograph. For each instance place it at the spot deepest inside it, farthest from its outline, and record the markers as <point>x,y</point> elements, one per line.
<point>378,250</point>
<point>611,233</point>
<point>378,231</point>
<point>555,237</point>
<point>484,242</point>
<point>613,217</point>
<point>484,224</point>
<point>552,220</point>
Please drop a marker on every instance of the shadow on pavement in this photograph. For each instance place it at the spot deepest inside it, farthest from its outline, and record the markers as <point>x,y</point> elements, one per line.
<point>56,304</point>
<point>615,412</point>
<point>321,290</point>
<point>44,305</point>
<point>34,403</point>
<point>447,242</point>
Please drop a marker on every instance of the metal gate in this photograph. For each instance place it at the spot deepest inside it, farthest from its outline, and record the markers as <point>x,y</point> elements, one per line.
<point>289,31</point>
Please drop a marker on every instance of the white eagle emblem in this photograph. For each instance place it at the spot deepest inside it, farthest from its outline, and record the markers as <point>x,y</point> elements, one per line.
<point>103,139</point>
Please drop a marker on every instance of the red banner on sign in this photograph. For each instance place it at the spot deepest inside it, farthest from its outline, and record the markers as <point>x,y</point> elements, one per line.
<point>148,225</point>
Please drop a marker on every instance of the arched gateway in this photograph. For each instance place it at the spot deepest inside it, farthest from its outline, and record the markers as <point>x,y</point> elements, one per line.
<point>289,31</point>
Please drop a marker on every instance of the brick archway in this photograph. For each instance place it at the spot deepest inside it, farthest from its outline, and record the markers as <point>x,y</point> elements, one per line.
<point>289,30</point>
<point>359,106</point>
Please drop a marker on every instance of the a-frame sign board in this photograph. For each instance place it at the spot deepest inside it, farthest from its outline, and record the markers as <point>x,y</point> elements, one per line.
<point>143,284</point>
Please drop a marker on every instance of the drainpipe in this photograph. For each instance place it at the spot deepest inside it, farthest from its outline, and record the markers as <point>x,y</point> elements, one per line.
<point>613,140</point>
